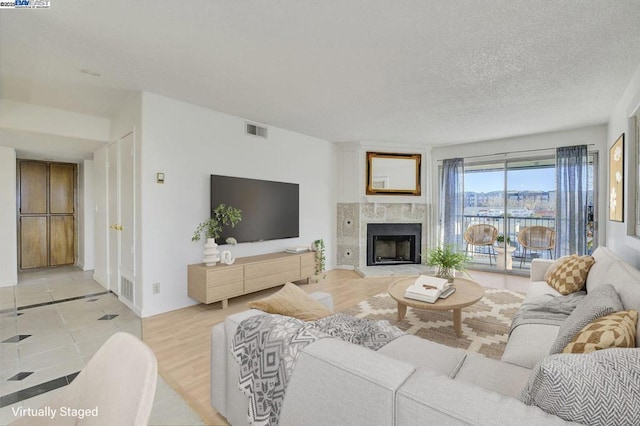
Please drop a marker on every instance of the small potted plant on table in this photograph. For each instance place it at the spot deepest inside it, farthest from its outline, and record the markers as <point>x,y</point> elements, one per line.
<point>501,240</point>
<point>447,261</point>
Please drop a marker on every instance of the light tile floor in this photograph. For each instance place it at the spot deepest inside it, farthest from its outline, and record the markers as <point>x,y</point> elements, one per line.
<point>51,324</point>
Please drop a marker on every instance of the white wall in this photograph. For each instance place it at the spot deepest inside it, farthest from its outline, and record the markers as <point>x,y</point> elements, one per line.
<point>35,118</point>
<point>596,135</point>
<point>128,118</point>
<point>8,237</point>
<point>619,235</point>
<point>352,173</point>
<point>189,143</point>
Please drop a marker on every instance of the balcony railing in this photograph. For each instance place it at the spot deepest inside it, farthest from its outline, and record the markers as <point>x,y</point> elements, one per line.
<point>509,227</point>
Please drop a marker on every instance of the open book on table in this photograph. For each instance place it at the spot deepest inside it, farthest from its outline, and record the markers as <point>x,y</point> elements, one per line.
<point>429,289</point>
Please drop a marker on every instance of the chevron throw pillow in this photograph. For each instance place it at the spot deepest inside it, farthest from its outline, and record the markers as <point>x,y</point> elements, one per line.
<point>571,275</point>
<point>599,388</point>
<point>617,330</point>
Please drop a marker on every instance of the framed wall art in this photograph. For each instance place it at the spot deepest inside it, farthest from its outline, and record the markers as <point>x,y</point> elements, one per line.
<point>616,180</point>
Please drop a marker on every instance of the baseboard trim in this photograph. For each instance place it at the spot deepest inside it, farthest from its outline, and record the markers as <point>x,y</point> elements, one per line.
<point>347,267</point>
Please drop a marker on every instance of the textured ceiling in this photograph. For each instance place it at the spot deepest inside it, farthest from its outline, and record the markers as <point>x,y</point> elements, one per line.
<point>410,72</point>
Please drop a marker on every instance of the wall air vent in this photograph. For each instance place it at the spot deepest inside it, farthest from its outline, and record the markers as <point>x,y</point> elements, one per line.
<point>255,130</point>
<point>126,288</point>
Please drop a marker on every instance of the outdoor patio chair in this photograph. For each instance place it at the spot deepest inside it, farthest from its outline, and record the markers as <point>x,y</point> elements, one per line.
<point>536,238</point>
<point>481,235</point>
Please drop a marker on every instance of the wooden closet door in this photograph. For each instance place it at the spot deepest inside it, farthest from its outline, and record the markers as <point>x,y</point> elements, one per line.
<point>61,241</point>
<point>33,242</point>
<point>61,208</point>
<point>46,209</point>
<point>61,188</point>
<point>33,187</point>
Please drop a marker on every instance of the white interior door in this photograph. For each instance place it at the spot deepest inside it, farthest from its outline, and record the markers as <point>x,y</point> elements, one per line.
<point>113,277</point>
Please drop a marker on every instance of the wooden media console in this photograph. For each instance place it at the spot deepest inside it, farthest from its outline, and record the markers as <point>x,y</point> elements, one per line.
<point>208,284</point>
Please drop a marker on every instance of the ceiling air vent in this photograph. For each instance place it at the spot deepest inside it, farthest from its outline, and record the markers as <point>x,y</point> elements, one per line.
<point>255,130</point>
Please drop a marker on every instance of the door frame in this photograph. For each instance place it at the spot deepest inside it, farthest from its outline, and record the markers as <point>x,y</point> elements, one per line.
<point>19,214</point>
<point>115,272</point>
<point>593,156</point>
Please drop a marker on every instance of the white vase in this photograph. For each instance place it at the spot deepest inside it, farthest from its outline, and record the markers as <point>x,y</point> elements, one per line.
<point>211,252</point>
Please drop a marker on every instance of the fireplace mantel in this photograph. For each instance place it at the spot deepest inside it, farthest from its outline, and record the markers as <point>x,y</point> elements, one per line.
<point>353,218</point>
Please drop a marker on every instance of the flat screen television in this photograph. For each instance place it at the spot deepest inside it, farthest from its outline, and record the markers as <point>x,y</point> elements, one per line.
<point>270,210</point>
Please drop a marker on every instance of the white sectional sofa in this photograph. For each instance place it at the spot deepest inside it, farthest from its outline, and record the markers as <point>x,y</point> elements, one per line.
<point>412,381</point>
<point>528,344</point>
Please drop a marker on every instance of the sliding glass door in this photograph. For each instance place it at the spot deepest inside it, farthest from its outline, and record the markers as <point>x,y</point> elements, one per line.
<point>510,211</point>
<point>484,212</point>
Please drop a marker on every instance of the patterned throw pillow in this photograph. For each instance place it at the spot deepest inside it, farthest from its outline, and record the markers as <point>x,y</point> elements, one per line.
<point>292,301</point>
<point>599,388</point>
<point>571,275</point>
<point>555,265</point>
<point>616,330</point>
<point>602,300</point>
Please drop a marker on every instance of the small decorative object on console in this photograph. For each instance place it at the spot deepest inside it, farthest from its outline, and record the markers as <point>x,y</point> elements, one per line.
<point>296,249</point>
<point>226,258</point>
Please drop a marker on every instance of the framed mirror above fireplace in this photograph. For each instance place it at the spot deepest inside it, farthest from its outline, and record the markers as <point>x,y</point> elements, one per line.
<point>393,174</point>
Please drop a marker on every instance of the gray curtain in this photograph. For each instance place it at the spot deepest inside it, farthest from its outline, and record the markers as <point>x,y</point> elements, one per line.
<point>452,202</point>
<point>571,200</point>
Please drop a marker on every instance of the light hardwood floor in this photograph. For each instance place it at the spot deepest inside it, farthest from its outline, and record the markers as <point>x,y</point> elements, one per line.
<point>181,339</point>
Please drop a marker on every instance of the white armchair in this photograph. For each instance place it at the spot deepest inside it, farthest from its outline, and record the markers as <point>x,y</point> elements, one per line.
<point>117,387</point>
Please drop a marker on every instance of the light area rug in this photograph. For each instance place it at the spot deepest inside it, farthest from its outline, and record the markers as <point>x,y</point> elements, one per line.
<point>485,325</point>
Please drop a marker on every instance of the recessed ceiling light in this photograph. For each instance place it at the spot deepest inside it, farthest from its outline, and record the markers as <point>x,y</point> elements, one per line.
<point>89,73</point>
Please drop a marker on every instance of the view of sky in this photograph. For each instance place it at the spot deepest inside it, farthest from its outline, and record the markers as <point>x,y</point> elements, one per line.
<point>542,179</point>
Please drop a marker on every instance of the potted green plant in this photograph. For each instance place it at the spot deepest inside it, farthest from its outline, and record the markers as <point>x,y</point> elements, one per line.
<point>447,261</point>
<point>211,228</point>
<point>319,249</point>
<point>223,215</point>
<point>501,240</point>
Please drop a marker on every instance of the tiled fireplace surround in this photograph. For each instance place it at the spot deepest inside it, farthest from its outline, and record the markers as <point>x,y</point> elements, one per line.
<point>352,223</point>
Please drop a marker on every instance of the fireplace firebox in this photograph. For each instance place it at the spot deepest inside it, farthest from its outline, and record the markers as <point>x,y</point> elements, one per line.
<point>393,243</point>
